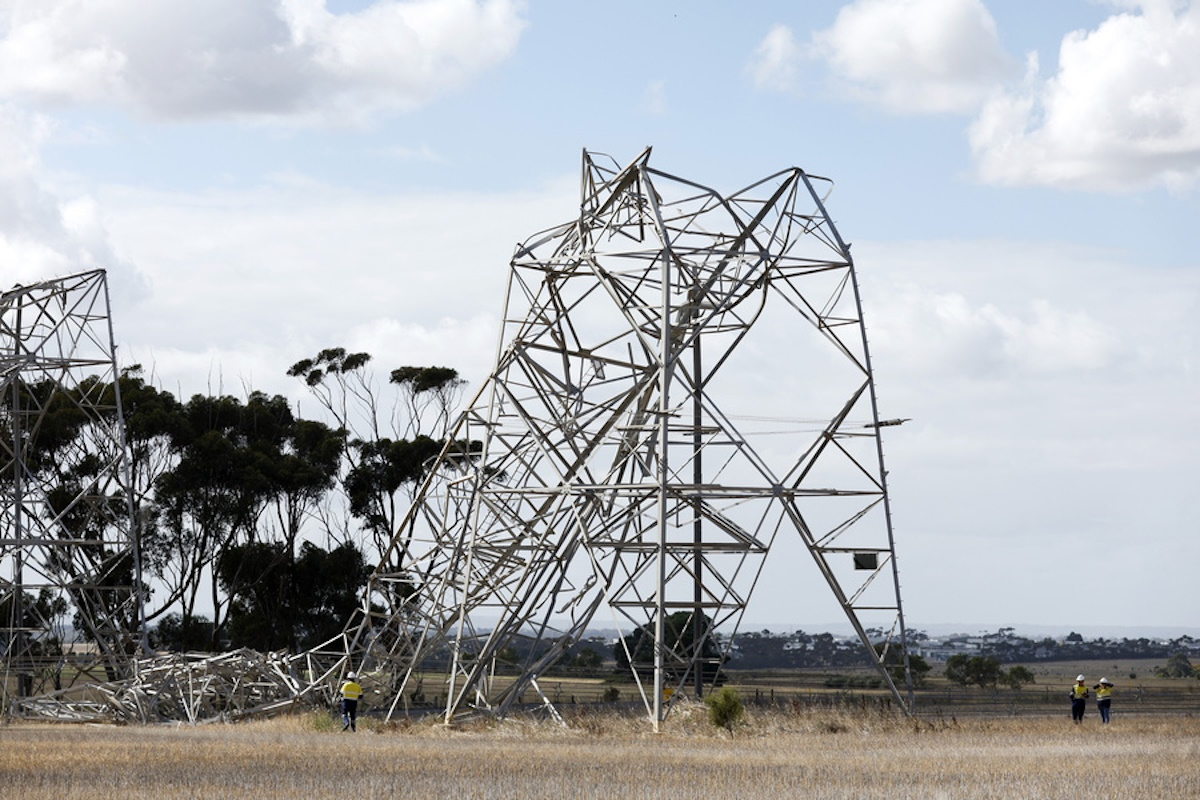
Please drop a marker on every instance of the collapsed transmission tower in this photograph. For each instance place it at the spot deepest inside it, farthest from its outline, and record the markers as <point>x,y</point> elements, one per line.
<point>630,451</point>
<point>69,610</point>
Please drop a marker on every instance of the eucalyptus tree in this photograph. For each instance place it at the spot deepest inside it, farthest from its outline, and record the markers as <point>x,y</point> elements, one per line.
<point>306,469</point>
<point>216,487</point>
<point>151,415</point>
<point>235,463</point>
<point>295,602</point>
<point>392,436</point>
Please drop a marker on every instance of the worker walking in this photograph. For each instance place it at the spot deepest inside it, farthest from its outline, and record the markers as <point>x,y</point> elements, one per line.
<point>1104,699</point>
<point>351,691</point>
<point>1079,696</point>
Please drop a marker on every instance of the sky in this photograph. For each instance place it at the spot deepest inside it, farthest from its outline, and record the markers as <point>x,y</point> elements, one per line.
<point>1020,181</point>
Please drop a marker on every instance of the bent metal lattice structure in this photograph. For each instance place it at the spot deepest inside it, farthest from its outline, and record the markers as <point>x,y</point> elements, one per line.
<point>69,613</point>
<point>626,452</point>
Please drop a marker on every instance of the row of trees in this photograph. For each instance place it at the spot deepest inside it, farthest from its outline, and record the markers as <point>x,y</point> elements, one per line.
<point>768,650</point>
<point>1005,645</point>
<point>256,525</point>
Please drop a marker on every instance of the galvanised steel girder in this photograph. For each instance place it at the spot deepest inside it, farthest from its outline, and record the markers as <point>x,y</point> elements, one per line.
<point>608,460</point>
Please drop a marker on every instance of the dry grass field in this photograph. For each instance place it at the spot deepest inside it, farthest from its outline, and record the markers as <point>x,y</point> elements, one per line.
<point>778,753</point>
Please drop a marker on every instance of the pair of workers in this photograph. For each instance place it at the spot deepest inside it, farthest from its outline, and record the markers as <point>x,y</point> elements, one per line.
<point>1079,695</point>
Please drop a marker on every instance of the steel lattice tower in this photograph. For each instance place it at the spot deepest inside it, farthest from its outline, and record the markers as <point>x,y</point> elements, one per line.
<point>69,612</point>
<point>624,453</point>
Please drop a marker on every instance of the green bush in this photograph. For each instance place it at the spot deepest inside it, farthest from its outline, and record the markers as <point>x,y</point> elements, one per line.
<point>1178,666</point>
<point>725,708</point>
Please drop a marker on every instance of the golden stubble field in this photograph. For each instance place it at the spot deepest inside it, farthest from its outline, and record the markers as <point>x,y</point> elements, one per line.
<point>776,754</point>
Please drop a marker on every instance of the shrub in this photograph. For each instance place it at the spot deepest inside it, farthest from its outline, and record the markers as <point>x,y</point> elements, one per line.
<point>1178,666</point>
<point>323,721</point>
<point>725,708</point>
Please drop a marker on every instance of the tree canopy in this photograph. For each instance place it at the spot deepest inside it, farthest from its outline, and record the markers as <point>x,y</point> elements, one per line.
<point>248,512</point>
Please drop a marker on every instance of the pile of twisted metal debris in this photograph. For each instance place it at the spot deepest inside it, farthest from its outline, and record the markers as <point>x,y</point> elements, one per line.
<point>196,688</point>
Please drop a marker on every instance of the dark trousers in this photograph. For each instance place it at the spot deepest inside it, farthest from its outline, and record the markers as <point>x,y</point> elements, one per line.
<point>349,713</point>
<point>1104,706</point>
<point>1077,709</point>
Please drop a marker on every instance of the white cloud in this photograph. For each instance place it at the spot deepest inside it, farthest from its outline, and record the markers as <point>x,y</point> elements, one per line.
<point>467,344</point>
<point>42,233</point>
<point>254,280</point>
<point>48,51</point>
<point>1048,386</point>
<point>238,366</point>
<point>1026,312</point>
<point>776,60</point>
<point>1122,112</point>
<point>947,332</point>
<point>916,56</point>
<point>256,59</point>
<point>232,287</point>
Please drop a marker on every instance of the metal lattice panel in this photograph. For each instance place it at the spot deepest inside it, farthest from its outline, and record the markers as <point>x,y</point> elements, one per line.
<point>624,453</point>
<point>68,610</point>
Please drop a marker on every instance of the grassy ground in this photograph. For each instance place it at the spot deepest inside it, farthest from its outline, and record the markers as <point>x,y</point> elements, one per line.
<point>1134,679</point>
<point>827,753</point>
<point>1138,690</point>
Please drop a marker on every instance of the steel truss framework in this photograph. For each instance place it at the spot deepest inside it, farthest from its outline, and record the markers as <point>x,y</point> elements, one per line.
<point>69,613</point>
<point>624,452</point>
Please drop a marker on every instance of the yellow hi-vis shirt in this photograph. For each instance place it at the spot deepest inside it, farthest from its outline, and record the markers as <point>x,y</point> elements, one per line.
<point>351,690</point>
<point>1104,692</point>
<point>1079,692</point>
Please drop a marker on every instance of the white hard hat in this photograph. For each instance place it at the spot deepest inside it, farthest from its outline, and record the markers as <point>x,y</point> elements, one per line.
<point>1104,680</point>
<point>1079,678</point>
<point>350,676</point>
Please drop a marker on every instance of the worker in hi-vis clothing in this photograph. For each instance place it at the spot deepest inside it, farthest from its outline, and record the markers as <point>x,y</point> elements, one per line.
<point>1104,698</point>
<point>1079,696</point>
<point>351,691</point>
